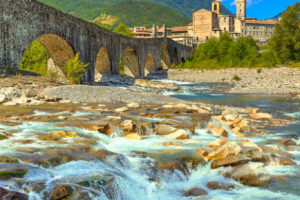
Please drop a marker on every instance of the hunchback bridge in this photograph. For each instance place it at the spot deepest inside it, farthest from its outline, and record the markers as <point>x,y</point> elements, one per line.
<point>23,21</point>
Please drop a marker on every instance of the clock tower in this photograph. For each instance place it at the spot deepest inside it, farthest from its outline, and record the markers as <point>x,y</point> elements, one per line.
<point>241,9</point>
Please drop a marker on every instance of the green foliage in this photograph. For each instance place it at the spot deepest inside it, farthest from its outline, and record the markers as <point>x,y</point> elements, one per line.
<point>108,27</point>
<point>136,13</point>
<point>74,69</point>
<point>226,53</point>
<point>128,12</point>
<point>53,76</point>
<point>236,78</point>
<point>285,43</point>
<point>35,59</point>
<point>122,67</point>
<point>123,30</point>
<point>259,71</point>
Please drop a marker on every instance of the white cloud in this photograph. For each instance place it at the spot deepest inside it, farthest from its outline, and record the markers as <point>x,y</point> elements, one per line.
<point>249,2</point>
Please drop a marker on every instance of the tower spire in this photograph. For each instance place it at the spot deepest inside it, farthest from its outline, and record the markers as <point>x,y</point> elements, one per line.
<point>241,9</point>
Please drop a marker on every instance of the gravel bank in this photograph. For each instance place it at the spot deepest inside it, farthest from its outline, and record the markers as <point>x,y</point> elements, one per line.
<point>277,80</point>
<point>106,94</point>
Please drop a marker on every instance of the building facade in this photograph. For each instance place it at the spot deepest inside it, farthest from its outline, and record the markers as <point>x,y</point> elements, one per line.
<point>212,23</point>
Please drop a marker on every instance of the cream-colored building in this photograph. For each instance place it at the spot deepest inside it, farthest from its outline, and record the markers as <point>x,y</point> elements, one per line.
<point>207,24</point>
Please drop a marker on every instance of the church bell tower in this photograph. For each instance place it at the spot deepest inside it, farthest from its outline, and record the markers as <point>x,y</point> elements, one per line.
<point>216,7</point>
<point>241,9</point>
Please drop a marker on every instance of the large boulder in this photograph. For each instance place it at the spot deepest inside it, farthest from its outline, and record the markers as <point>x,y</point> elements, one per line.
<point>61,192</point>
<point>230,161</point>
<point>163,129</point>
<point>218,143</point>
<point>261,116</point>
<point>252,174</point>
<point>7,194</point>
<point>217,130</point>
<point>251,150</point>
<point>178,134</point>
<point>213,185</point>
<point>194,192</point>
<point>228,149</point>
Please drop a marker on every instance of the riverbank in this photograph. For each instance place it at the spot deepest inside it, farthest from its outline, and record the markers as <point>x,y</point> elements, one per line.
<point>244,80</point>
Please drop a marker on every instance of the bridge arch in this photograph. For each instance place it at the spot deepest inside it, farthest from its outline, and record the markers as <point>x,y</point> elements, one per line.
<point>165,60</point>
<point>59,50</point>
<point>103,64</point>
<point>131,62</point>
<point>175,56</point>
<point>150,64</point>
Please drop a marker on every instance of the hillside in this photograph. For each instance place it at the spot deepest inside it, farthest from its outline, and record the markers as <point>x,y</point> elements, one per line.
<point>137,12</point>
<point>187,7</point>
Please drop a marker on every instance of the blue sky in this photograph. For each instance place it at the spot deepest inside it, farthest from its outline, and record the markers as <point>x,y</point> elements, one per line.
<point>261,9</point>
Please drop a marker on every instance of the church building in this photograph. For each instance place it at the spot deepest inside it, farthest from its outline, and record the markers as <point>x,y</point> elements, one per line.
<point>207,24</point>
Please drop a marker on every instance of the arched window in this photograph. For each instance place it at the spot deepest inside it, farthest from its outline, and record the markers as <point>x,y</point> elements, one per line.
<point>215,7</point>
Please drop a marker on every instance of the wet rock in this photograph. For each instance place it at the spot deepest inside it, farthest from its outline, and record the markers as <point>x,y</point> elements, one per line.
<point>109,129</point>
<point>252,174</point>
<point>180,123</point>
<point>217,130</point>
<point>251,110</point>
<point>2,137</point>
<point>194,192</point>
<point>276,151</point>
<point>123,109</point>
<point>11,195</point>
<point>5,159</point>
<point>58,135</point>
<point>173,165</point>
<point>101,154</point>
<point>133,105</point>
<point>213,185</point>
<point>261,116</point>
<point>127,125</point>
<point>171,144</point>
<point>178,134</point>
<point>134,136</point>
<point>228,149</point>
<point>61,192</point>
<point>218,143</point>
<point>251,150</point>
<point>230,161</point>
<point>279,160</point>
<point>3,98</point>
<point>163,129</point>
<point>286,141</point>
<point>8,173</point>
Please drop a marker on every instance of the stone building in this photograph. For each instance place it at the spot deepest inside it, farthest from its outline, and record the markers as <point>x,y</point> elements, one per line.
<point>212,23</point>
<point>207,24</point>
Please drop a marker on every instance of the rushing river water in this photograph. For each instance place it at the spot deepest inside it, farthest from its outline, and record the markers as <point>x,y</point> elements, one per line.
<point>133,174</point>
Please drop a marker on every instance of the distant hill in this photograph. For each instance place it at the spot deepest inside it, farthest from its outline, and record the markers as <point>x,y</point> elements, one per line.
<point>134,12</point>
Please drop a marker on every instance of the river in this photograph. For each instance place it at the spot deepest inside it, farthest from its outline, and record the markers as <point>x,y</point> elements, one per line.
<point>131,175</point>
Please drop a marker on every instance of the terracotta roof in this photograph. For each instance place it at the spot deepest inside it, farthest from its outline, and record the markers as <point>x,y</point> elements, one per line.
<point>268,21</point>
<point>180,29</point>
<point>190,24</point>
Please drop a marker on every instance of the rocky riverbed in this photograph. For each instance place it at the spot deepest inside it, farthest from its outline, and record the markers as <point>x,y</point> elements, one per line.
<point>281,80</point>
<point>95,142</point>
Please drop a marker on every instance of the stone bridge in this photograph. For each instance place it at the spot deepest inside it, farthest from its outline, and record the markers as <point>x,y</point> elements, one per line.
<point>23,21</point>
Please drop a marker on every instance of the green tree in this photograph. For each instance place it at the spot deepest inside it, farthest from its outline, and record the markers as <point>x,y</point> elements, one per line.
<point>74,69</point>
<point>35,58</point>
<point>285,43</point>
<point>105,26</point>
<point>123,30</point>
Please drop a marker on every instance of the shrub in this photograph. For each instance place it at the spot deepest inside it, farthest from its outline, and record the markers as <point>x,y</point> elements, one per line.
<point>259,71</point>
<point>74,69</point>
<point>52,75</point>
<point>236,78</point>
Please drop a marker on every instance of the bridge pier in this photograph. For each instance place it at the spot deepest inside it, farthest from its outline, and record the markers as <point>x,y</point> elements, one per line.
<point>23,21</point>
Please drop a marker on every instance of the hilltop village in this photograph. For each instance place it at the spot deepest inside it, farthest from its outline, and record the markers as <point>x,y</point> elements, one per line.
<point>207,24</point>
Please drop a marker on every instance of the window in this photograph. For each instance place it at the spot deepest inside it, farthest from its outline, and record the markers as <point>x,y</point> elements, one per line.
<point>225,19</point>
<point>215,7</point>
<point>224,28</point>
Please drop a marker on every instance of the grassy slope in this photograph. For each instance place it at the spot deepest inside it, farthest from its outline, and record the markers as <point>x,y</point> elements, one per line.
<point>150,13</point>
